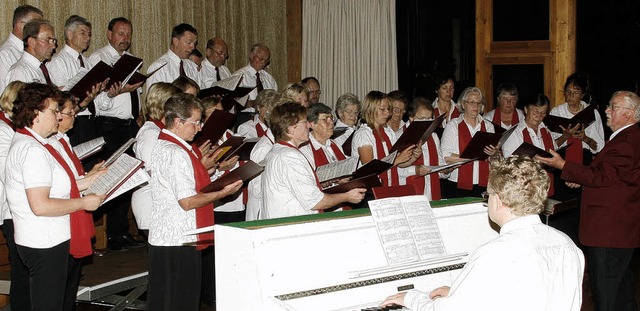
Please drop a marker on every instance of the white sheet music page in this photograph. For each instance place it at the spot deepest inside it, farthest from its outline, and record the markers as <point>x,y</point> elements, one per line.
<point>407,229</point>
<point>122,168</point>
<point>88,148</point>
<point>138,178</point>
<point>75,79</point>
<point>337,169</point>
<point>229,83</point>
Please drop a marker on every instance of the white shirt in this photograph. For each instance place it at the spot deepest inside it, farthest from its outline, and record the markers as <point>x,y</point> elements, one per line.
<point>249,80</point>
<point>530,266</point>
<point>119,106</point>
<point>489,117</point>
<point>450,143</point>
<point>171,71</point>
<point>289,187</point>
<point>30,165</point>
<point>595,130</point>
<point>454,107</point>
<point>326,148</point>
<point>54,141</point>
<point>516,138</point>
<point>173,182</point>
<point>6,136</point>
<point>26,69</point>
<point>141,201</point>
<point>364,137</point>
<point>10,51</point>
<point>208,73</point>
<point>340,140</point>
<point>64,66</point>
<point>254,189</point>
<point>248,129</point>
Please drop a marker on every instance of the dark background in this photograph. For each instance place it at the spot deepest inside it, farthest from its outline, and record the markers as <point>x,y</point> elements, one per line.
<point>439,36</point>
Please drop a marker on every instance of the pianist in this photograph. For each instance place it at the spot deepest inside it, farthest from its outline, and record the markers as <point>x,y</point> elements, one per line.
<point>530,266</point>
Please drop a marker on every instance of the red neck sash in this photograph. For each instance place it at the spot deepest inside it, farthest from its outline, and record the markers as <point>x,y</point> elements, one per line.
<point>382,138</point>
<point>465,172</point>
<point>3,117</point>
<point>497,117</point>
<point>261,132</point>
<point>319,156</point>
<point>81,222</point>
<point>434,178</point>
<point>204,214</point>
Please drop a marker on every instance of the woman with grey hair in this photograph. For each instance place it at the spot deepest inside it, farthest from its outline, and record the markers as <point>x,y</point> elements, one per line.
<point>506,114</point>
<point>471,178</point>
<point>347,111</point>
<point>321,149</point>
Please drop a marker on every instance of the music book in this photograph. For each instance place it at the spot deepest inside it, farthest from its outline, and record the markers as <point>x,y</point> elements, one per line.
<point>527,149</point>
<point>475,148</point>
<point>124,69</point>
<point>119,152</point>
<point>221,88</point>
<point>498,128</point>
<point>364,177</point>
<point>338,131</point>
<point>137,77</point>
<point>585,117</point>
<point>89,148</point>
<point>438,168</point>
<point>407,229</point>
<point>417,132</point>
<point>346,146</point>
<point>338,169</point>
<point>85,79</point>
<point>245,172</point>
<point>119,171</point>
<point>139,178</point>
<point>554,206</point>
<point>237,145</point>
<point>213,129</point>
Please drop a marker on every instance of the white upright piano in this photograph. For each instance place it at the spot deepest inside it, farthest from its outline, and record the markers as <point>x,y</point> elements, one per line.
<point>335,261</point>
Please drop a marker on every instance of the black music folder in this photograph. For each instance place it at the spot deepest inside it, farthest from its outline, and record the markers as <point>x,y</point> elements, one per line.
<point>585,117</point>
<point>417,132</point>
<point>124,69</point>
<point>527,149</point>
<point>338,131</point>
<point>364,177</point>
<point>237,145</point>
<point>83,82</point>
<point>245,172</point>
<point>475,148</point>
<point>346,146</point>
<point>213,129</point>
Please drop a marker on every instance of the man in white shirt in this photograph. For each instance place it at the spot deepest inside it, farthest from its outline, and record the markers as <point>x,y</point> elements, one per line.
<point>40,42</point>
<point>254,74</point>
<point>530,266</point>
<point>118,110</point>
<point>183,41</point>
<point>12,48</point>
<point>213,68</point>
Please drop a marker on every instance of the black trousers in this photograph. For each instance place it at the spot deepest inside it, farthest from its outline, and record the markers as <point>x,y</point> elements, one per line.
<point>74,272</point>
<point>174,278</point>
<point>116,132</point>
<point>612,281</point>
<point>47,275</point>
<point>19,290</point>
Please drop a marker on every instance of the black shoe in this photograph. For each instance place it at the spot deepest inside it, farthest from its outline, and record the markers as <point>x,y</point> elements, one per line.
<point>130,242</point>
<point>116,244</point>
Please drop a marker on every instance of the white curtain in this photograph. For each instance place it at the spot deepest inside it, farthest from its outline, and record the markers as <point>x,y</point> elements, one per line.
<point>350,46</point>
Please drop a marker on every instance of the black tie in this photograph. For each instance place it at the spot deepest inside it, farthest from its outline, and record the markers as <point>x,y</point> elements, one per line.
<point>135,105</point>
<point>217,73</point>
<point>259,83</point>
<point>182,69</point>
<point>81,61</point>
<point>45,72</point>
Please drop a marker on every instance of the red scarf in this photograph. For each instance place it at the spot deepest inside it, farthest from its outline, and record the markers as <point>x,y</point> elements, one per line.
<point>465,172</point>
<point>81,222</point>
<point>454,114</point>
<point>381,137</point>
<point>158,123</point>
<point>204,214</point>
<point>434,178</point>
<point>261,132</point>
<point>497,118</point>
<point>3,117</point>
<point>548,144</point>
<point>320,158</point>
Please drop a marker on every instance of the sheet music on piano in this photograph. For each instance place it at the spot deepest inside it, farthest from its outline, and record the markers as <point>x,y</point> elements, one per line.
<point>407,229</point>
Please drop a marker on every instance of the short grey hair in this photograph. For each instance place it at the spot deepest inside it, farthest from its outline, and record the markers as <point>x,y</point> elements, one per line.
<point>180,106</point>
<point>632,99</point>
<point>345,100</point>
<point>465,94</point>
<point>72,23</point>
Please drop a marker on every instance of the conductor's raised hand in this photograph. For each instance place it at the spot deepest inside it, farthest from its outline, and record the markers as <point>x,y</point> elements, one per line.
<point>556,161</point>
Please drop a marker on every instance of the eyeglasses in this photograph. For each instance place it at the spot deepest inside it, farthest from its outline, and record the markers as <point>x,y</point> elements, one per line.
<point>537,112</point>
<point>328,118</point>
<point>55,111</point>
<point>399,110</point>
<point>571,93</point>
<point>196,123</point>
<point>354,111</point>
<point>225,54</point>
<point>47,40</point>
<point>473,103</point>
<point>485,198</point>
<point>614,108</point>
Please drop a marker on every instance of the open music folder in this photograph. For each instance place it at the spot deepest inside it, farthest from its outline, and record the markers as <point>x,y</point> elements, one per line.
<point>245,172</point>
<point>82,83</point>
<point>480,140</point>
<point>119,152</point>
<point>417,132</point>
<point>584,117</point>
<point>364,177</point>
<point>213,129</point>
<point>114,181</point>
<point>124,69</point>
<point>89,148</point>
<point>137,77</point>
<point>230,91</point>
